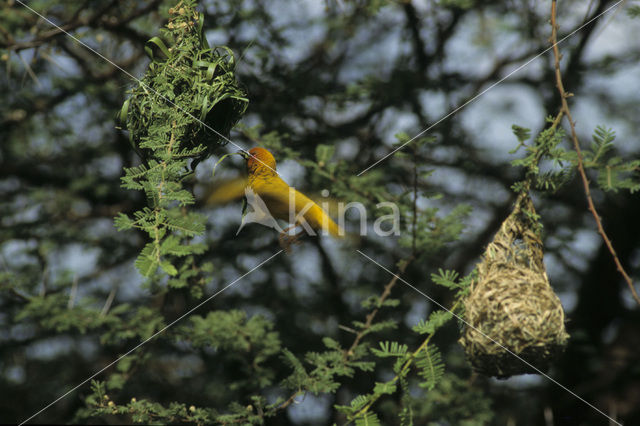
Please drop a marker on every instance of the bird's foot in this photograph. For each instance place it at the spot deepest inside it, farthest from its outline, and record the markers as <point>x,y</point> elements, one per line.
<point>287,240</point>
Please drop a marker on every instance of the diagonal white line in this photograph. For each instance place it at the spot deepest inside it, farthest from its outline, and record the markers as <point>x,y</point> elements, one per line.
<point>154,335</point>
<point>488,88</point>
<point>497,343</point>
<point>140,82</point>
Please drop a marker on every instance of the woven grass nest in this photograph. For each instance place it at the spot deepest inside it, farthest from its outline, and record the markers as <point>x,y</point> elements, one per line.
<point>512,303</point>
<point>189,80</point>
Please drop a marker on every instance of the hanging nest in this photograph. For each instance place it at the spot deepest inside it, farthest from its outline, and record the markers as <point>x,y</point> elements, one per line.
<point>188,83</point>
<point>512,304</point>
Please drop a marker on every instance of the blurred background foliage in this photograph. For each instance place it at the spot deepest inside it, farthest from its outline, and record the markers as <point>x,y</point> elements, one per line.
<point>332,87</point>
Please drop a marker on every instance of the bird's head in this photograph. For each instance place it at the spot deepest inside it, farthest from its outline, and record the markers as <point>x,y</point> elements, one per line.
<point>259,160</point>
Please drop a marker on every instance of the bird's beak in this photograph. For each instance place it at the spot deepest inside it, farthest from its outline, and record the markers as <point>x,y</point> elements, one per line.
<point>244,154</point>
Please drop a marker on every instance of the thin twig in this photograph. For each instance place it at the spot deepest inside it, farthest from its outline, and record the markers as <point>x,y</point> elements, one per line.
<point>27,67</point>
<point>407,364</point>
<point>107,304</point>
<point>289,401</point>
<point>348,353</point>
<point>19,295</point>
<point>585,182</point>
<point>415,200</point>
<point>372,314</point>
<point>73,292</point>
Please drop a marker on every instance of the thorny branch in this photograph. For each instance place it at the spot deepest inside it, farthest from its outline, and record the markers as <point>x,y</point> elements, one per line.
<point>585,182</point>
<point>372,314</point>
<point>405,366</point>
<point>369,321</point>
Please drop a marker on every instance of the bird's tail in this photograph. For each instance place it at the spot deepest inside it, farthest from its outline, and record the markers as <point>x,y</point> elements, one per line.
<point>331,227</point>
<point>335,230</point>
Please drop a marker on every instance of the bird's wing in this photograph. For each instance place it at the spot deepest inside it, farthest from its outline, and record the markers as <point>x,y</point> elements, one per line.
<point>225,191</point>
<point>276,195</point>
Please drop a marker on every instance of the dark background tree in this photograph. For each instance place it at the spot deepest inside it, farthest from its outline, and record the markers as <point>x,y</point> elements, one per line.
<point>350,75</point>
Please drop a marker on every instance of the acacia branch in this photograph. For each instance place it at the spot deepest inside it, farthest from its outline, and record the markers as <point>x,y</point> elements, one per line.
<point>61,30</point>
<point>405,366</point>
<point>385,293</point>
<point>100,19</point>
<point>368,322</point>
<point>574,137</point>
<point>289,400</point>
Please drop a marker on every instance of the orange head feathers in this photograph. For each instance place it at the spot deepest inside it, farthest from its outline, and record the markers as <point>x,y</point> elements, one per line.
<point>260,161</point>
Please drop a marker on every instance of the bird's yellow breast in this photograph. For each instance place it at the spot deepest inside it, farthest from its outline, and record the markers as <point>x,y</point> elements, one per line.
<point>286,203</point>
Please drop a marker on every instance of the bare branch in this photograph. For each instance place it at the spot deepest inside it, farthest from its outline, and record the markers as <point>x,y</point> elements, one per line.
<point>576,144</point>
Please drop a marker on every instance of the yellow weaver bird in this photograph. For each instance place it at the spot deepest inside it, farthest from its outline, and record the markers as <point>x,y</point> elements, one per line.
<point>275,195</point>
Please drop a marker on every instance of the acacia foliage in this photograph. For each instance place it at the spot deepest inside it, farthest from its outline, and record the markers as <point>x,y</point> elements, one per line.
<point>284,335</point>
